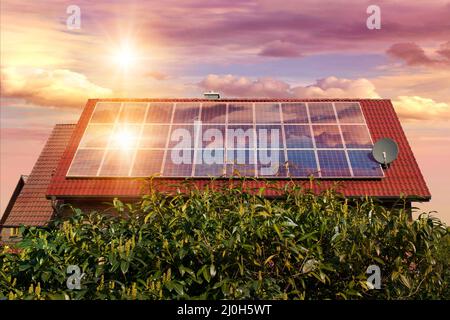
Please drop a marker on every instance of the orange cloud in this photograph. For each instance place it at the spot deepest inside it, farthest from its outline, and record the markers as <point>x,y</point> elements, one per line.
<point>245,87</point>
<point>58,88</point>
<point>157,75</point>
<point>418,108</point>
<point>330,87</point>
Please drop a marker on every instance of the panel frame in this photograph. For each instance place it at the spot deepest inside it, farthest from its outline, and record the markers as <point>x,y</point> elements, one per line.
<point>196,147</point>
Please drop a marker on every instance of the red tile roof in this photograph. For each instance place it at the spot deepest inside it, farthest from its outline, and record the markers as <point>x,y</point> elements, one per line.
<point>31,206</point>
<point>402,178</point>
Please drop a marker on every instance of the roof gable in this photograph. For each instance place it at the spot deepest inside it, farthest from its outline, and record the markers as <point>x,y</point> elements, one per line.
<point>31,206</point>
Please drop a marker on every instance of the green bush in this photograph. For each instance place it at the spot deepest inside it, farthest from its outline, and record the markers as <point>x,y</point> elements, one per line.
<point>229,244</point>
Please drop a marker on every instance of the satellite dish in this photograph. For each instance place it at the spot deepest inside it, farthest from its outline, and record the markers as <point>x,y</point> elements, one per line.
<point>385,151</point>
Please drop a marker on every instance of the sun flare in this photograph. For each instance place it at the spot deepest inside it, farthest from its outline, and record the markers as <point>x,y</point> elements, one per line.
<point>124,140</point>
<point>125,58</point>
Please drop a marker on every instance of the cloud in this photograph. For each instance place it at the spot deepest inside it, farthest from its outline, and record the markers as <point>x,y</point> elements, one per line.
<point>445,50</point>
<point>330,87</point>
<point>245,87</point>
<point>35,134</point>
<point>281,49</point>
<point>414,55</point>
<point>157,75</point>
<point>419,108</point>
<point>58,88</point>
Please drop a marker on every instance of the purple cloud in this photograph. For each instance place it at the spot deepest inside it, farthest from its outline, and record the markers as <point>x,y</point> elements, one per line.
<point>414,55</point>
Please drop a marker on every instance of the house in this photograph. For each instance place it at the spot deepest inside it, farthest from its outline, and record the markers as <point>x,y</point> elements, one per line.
<point>117,143</point>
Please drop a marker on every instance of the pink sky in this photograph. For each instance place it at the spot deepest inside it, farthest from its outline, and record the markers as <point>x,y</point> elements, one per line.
<point>248,48</point>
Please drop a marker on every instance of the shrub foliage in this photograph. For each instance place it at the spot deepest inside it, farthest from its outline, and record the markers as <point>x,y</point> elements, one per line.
<point>230,244</point>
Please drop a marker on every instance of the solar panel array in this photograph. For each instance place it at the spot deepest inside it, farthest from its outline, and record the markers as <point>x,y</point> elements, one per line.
<point>204,139</point>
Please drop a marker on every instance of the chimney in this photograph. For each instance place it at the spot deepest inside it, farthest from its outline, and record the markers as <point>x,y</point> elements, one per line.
<point>211,95</point>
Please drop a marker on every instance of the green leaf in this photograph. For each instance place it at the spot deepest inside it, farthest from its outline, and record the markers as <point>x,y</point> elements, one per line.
<point>212,270</point>
<point>277,230</point>
<point>405,281</point>
<point>124,265</point>
<point>206,274</point>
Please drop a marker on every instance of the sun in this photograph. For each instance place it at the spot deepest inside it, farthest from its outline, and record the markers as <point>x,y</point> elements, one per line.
<point>125,58</point>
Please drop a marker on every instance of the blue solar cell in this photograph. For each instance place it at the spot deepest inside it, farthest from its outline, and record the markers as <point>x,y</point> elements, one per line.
<point>209,170</point>
<point>333,163</point>
<point>267,113</point>
<point>96,136</point>
<point>105,112</point>
<point>117,163</point>
<point>147,163</point>
<point>178,163</point>
<point>294,112</point>
<point>213,136</point>
<point>269,136</point>
<point>214,113</point>
<point>240,137</point>
<point>271,163</point>
<point>327,136</point>
<point>133,112</point>
<point>298,136</point>
<point>86,162</point>
<point>240,162</point>
<point>240,113</point>
<point>154,136</point>
<point>356,136</point>
<point>349,112</point>
<point>125,136</point>
<point>159,112</point>
<point>186,113</point>
<point>182,136</point>
<point>321,112</point>
<point>363,164</point>
<point>209,162</point>
<point>302,163</point>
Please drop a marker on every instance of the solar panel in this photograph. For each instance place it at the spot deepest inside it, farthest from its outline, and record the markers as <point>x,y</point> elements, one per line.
<point>105,112</point>
<point>96,136</point>
<point>86,162</point>
<point>321,112</point>
<point>240,113</point>
<point>294,113</point>
<point>215,139</point>
<point>302,163</point>
<point>269,136</point>
<point>298,136</point>
<point>240,162</point>
<point>333,163</point>
<point>148,163</point>
<point>356,136</point>
<point>116,163</point>
<point>271,163</point>
<point>214,113</point>
<point>349,112</point>
<point>363,164</point>
<point>327,136</point>
<point>159,113</point>
<point>132,112</point>
<point>154,136</point>
<point>267,113</point>
<point>186,113</point>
